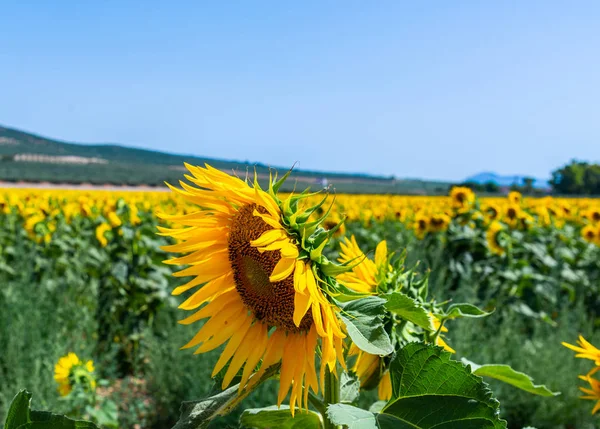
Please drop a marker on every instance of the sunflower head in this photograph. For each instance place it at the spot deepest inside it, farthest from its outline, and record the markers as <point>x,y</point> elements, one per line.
<point>462,198</point>
<point>69,371</point>
<point>261,280</point>
<point>492,238</point>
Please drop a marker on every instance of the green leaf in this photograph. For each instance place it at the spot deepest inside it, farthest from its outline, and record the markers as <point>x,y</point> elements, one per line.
<point>409,309</point>
<point>21,417</point>
<point>431,390</point>
<point>508,375</point>
<point>198,414</point>
<point>351,417</point>
<point>18,412</point>
<point>349,387</point>
<point>465,310</point>
<point>364,323</point>
<point>272,417</point>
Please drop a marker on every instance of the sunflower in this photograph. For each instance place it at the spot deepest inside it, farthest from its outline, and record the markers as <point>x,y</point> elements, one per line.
<point>366,277</point>
<point>586,350</point>
<point>439,222</point>
<point>261,271</point>
<point>421,225</point>
<point>462,198</point>
<point>69,370</point>
<point>491,237</point>
<point>589,233</point>
<point>370,371</point>
<point>515,197</point>
<point>439,341</point>
<point>593,393</point>
<point>100,233</point>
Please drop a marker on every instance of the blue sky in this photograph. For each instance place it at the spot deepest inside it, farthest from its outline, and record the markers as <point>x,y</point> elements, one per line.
<point>436,90</point>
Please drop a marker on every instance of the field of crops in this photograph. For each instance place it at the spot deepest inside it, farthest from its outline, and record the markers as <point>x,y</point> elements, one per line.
<point>83,272</point>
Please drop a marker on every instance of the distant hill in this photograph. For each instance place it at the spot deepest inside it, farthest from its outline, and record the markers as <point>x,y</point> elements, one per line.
<point>32,158</point>
<point>499,180</point>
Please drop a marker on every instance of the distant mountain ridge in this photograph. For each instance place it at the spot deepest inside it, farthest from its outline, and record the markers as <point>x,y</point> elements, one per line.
<point>32,158</point>
<point>500,180</point>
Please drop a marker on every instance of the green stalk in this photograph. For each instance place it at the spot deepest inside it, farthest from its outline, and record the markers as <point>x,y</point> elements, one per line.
<point>331,395</point>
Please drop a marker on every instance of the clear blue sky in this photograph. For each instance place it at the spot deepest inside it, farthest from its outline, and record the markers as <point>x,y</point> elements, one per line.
<point>415,89</point>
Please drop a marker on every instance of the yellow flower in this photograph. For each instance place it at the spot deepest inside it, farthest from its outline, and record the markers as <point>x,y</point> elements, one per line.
<point>491,236</point>
<point>100,231</point>
<point>515,197</point>
<point>421,225</point>
<point>585,350</point>
<point>65,370</point>
<point>364,276</point>
<point>439,222</point>
<point>114,220</point>
<point>589,233</point>
<point>261,288</point>
<point>439,340</point>
<point>462,198</point>
<point>593,393</point>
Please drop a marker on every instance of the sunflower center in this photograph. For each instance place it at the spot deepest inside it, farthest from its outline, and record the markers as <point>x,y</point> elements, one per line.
<point>271,303</point>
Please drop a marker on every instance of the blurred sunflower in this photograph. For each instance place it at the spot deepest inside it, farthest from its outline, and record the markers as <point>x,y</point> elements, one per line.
<point>491,237</point>
<point>439,222</point>
<point>421,225</point>
<point>590,233</point>
<point>515,197</point>
<point>462,198</point>
<point>101,230</point>
<point>70,370</point>
<point>261,288</point>
<point>593,393</point>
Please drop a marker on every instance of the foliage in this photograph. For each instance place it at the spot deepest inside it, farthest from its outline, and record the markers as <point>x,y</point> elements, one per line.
<point>577,178</point>
<point>57,275</point>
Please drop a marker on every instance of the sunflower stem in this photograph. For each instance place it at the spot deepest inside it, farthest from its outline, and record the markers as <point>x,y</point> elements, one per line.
<point>331,395</point>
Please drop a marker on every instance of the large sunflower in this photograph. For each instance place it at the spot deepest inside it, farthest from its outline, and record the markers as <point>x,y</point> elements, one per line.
<point>261,283</point>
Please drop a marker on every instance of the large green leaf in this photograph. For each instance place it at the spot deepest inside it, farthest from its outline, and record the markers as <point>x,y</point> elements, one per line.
<point>272,417</point>
<point>431,390</point>
<point>20,416</point>
<point>198,414</point>
<point>409,309</point>
<point>364,323</point>
<point>508,375</point>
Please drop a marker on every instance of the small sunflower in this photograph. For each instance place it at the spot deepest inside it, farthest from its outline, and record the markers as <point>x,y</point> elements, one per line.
<point>462,198</point>
<point>589,233</point>
<point>421,225</point>
<point>366,277</point>
<point>439,222</point>
<point>593,393</point>
<point>491,237</point>
<point>259,267</point>
<point>70,370</point>
<point>439,341</point>
<point>101,230</point>
<point>515,197</point>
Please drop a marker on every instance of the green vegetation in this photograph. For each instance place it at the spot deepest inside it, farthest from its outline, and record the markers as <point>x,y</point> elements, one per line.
<point>577,178</point>
<point>130,166</point>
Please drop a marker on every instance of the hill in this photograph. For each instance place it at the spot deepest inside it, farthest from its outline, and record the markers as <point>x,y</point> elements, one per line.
<point>499,180</point>
<point>32,158</point>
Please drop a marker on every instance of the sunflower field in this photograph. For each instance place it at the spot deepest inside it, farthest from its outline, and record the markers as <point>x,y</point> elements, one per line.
<point>226,304</point>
